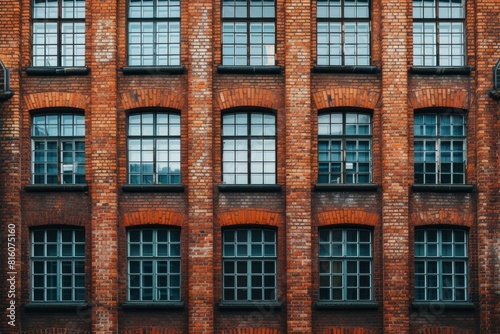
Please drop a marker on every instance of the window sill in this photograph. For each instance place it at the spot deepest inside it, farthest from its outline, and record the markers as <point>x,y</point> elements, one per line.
<point>346,69</point>
<point>346,187</point>
<point>48,71</point>
<point>152,305</point>
<point>250,188</point>
<point>257,306</point>
<point>494,93</point>
<point>346,305</point>
<point>4,96</point>
<point>441,70</point>
<point>58,307</point>
<point>34,188</point>
<point>436,305</point>
<point>152,70</point>
<point>443,188</point>
<point>154,188</point>
<point>225,69</point>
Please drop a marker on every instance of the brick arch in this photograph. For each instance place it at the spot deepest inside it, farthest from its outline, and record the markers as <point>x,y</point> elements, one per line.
<point>249,216</point>
<point>144,98</point>
<point>56,99</point>
<point>250,331</point>
<point>347,216</point>
<point>53,217</point>
<point>442,217</point>
<point>162,217</point>
<point>346,97</point>
<point>243,97</point>
<point>439,97</point>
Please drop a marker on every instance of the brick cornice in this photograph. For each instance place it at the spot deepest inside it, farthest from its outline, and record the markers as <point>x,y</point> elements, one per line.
<point>249,216</point>
<point>241,97</point>
<point>144,217</point>
<point>438,97</point>
<point>146,98</point>
<point>347,216</point>
<point>56,99</point>
<point>346,97</point>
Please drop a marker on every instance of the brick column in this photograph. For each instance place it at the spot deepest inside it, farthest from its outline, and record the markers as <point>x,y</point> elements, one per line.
<point>200,163</point>
<point>10,173</point>
<point>488,162</point>
<point>298,165</point>
<point>396,22</point>
<point>102,171</point>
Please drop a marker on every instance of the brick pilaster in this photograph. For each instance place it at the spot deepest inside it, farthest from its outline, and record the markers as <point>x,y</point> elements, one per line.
<point>10,173</point>
<point>396,22</point>
<point>102,172</point>
<point>298,165</point>
<point>488,160</point>
<point>200,176</point>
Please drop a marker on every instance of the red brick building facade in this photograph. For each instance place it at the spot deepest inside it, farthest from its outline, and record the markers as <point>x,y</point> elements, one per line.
<point>423,208</point>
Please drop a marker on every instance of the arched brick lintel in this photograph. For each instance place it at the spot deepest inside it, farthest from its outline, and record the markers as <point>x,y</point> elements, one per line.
<point>346,97</point>
<point>249,216</point>
<point>55,100</point>
<point>347,216</point>
<point>161,217</point>
<point>442,218</point>
<point>53,217</point>
<point>245,97</point>
<point>150,98</point>
<point>439,97</point>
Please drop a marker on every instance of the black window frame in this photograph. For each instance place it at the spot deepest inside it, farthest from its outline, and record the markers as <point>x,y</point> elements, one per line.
<point>59,21</point>
<point>342,20</point>
<point>436,56</point>
<point>248,137</point>
<point>248,20</point>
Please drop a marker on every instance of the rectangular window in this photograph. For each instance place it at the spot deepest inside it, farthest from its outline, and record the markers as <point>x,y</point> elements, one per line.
<point>154,32</point>
<point>440,148</point>
<point>345,265</point>
<point>441,265</point>
<point>344,147</point>
<point>249,148</point>
<point>249,265</point>
<point>58,36</point>
<point>58,149</point>
<point>58,265</point>
<point>248,32</point>
<point>154,148</point>
<point>439,32</point>
<point>343,32</point>
<point>154,265</point>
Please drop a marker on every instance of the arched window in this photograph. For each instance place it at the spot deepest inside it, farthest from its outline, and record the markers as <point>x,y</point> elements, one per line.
<point>58,148</point>
<point>345,147</point>
<point>154,148</point>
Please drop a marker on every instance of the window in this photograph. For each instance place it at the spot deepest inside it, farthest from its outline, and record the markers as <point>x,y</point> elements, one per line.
<point>249,148</point>
<point>343,32</point>
<point>58,33</point>
<point>344,147</point>
<point>154,148</point>
<point>345,265</point>
<point>441,265</point>
<point>438,32</point>
<point>154,265</point>
<point>58,265</point>
<point>249,265</point>
<point>154,32</point>
<point>440,148</point>
<point>248,32</point>
<point>58,148</point>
